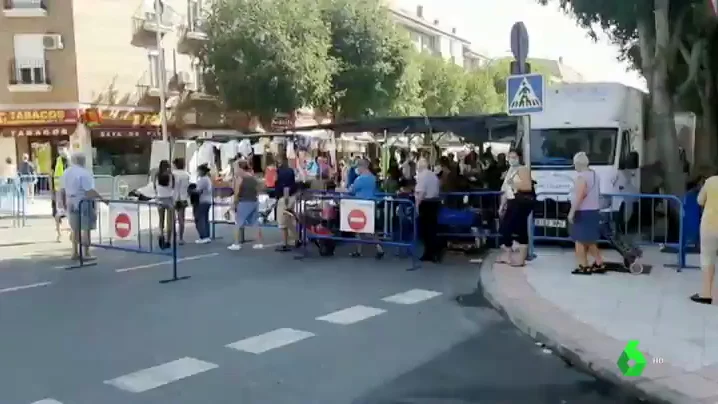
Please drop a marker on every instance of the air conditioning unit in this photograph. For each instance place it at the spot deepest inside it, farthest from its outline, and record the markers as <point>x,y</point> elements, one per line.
<point>52,42</point>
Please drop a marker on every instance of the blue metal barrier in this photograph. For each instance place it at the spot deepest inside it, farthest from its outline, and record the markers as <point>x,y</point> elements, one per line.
<point>125,215</point>
<point>549,220</point>
<point>12,204</point>
<point>466,208</point>
<point>395,221</point>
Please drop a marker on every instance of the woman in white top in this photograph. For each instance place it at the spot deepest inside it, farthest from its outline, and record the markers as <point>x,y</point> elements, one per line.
<point>164,195</point>
<point>517,200</point>
<point>181,196</point>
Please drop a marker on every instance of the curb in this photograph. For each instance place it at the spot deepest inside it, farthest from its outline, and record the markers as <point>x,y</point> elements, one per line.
<point>570,351</point>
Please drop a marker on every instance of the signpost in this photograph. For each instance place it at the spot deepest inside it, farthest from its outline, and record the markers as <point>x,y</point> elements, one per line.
<point>123,220</point>
<point>357,216</point>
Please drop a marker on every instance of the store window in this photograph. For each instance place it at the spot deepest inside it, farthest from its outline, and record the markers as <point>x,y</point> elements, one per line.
<point>121,155</point>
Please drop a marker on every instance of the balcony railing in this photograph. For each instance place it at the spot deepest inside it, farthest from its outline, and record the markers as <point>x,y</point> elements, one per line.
<point>25,4</point>
<point>29,72</point>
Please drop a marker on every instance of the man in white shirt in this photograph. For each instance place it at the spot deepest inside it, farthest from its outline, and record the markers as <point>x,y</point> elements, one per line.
<point>426,194</point>
<point>78,191</point>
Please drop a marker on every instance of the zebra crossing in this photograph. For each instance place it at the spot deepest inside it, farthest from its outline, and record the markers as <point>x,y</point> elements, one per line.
<point>159,375</point>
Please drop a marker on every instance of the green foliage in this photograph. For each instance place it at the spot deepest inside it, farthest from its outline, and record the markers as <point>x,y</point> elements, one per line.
<point>407,100</point>
<point>480,96</point>
<point>443,86</point>
<point>370,55</point>
<point>265,56</point>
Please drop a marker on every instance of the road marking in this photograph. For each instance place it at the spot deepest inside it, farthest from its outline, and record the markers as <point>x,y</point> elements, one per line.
<point>47,401</point>
<point>168,262</point>
<point>151,378</point>
<point>270,340</point>
<point>23,287</point>
<point>351,315</point>
<point>412,296</point>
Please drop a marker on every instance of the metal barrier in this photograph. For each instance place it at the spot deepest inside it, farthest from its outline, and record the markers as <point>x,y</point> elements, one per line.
<point>12,204</point>
<point>549,220</point>
<point>123,220</point>
<point>330,217</point>
<point>480,208</point>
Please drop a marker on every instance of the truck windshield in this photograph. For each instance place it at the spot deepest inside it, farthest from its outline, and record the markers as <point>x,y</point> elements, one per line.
<point>556,147</point>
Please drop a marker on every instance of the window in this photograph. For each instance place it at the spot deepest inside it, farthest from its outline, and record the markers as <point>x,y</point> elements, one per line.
<point>625,145</point>
<point>121,156</point>
<point>29,65</point>
<point>194,15</point>
<point>25,4</point>
<point>556,147</point>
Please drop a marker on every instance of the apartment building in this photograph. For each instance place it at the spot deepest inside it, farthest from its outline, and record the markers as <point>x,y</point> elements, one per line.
<point>68,59</point>
<point>432,37</point>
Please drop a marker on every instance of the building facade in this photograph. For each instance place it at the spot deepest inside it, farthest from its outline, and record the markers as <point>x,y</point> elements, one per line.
<point>68,57</point>
<point>432,37</point>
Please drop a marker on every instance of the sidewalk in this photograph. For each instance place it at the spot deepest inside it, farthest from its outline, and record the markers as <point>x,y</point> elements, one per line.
<point>589,319</point>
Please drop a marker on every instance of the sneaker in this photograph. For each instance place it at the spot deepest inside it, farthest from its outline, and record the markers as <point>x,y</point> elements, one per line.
<point>203,241</point>
<point>235,247</point>
<point>258,246</point>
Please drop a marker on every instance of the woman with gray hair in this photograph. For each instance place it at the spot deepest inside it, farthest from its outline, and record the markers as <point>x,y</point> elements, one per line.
<point>585,217</point>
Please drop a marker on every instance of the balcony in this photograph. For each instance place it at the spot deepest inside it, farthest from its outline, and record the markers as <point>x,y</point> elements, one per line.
<point>146,25</point>
<point>25,8</point>
<point>192,36</point>
<point>151,84</point>
<point>29,76</point>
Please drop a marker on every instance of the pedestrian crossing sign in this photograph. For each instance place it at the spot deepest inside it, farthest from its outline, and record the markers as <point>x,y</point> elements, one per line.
<point>525,94</point>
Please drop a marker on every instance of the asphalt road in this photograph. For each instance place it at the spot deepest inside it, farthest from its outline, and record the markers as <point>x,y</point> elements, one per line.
<point>256,326</point>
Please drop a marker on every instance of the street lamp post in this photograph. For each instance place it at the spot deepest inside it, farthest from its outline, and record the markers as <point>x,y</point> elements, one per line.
<point>162,73</point>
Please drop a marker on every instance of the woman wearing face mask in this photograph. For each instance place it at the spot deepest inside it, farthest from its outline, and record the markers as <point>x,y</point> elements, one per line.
<point>517,201</point>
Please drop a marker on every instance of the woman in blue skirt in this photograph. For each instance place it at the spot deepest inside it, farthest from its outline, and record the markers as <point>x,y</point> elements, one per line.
<point>585,217</point>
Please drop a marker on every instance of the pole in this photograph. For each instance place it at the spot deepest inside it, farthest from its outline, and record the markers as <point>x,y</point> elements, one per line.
<point>526,136</point>
<point>162,73</point>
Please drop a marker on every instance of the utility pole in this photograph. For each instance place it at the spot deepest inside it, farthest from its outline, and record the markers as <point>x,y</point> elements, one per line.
<point>162,71</point>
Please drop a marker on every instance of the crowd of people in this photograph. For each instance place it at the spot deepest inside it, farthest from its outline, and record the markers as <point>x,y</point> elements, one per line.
<point>174,190</point>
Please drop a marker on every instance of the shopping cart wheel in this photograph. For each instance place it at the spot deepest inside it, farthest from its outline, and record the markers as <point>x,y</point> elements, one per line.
<point>636,267</point>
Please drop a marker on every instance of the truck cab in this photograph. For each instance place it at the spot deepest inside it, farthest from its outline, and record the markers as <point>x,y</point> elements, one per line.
<point>604,120</point>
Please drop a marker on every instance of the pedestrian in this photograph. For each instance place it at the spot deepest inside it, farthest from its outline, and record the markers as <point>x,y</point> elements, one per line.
<point>708,199</point>
<point>28,176</point>
<point>164,183</point>
<point>426,196</point>
<point>79,194</point>
<point>201,198</point>
<point>517,201</point>
<point>286,192</point>
<point>246,201</point>
<point>365,187</point>
<point>585,217</point>
<point>9,171</point>
<point>181,195</point>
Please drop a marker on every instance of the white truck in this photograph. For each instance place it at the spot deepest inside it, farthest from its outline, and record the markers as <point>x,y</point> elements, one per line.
<point>607,121</point>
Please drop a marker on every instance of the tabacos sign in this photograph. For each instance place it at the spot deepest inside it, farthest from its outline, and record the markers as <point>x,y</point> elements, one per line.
<point>38,117</point>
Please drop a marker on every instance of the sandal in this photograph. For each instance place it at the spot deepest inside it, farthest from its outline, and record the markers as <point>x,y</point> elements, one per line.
<point>582,270</point>
<point>355,254</point>
<point>702,300</point>
<point>598,269</point>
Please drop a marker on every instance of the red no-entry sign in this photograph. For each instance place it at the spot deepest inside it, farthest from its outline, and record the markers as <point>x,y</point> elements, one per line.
<point>123,225</point>
<point>357,220</point>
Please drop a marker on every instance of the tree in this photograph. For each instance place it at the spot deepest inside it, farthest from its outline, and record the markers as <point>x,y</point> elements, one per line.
<point>267,56</point>
<point>652,34</point>
<point>443,86</point>
<point>480,96</point>
<point>408,100</point>
<point>370,54</point>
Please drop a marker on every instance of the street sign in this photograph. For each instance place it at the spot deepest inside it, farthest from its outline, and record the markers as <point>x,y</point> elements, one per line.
<point>520,42</point>
<point>356,216</point>
<point>123,220</point>
<point>525,94</point>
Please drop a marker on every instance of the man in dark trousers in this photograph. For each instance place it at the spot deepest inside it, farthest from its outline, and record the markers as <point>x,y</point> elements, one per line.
<point>426,194</point>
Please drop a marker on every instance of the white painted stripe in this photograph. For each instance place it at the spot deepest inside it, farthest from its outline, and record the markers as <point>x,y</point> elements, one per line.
<point>23,287</point>
<point>412,296</point>
<point>151,378</point>
<point>351,315</point>
<point>270,340</point>
<point>47,401</point>
<point>168,262</point>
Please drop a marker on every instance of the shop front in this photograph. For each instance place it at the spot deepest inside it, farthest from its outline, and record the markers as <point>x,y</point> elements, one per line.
<point>39,133</point>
